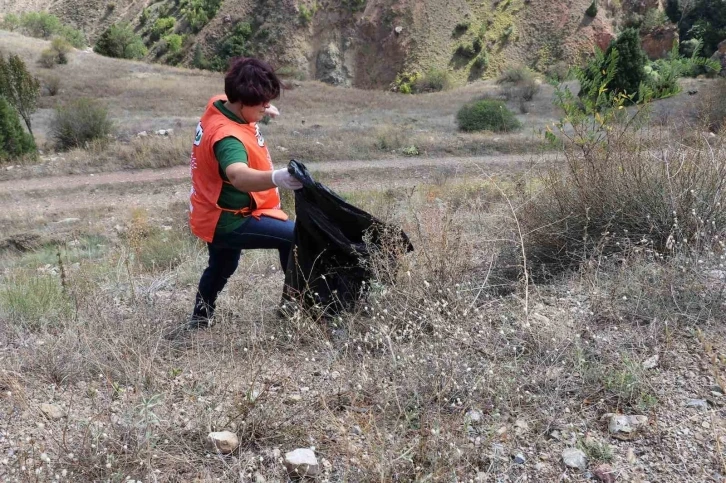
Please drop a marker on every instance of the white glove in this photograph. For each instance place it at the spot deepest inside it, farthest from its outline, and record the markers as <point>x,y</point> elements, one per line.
<point>272,111</point>
<point>282,179</point>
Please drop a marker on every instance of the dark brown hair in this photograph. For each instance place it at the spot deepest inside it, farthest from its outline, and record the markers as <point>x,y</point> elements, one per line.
<point>251,81</point>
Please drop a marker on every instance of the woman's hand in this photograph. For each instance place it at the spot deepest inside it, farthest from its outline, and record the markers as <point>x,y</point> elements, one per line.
<point>282,179</point>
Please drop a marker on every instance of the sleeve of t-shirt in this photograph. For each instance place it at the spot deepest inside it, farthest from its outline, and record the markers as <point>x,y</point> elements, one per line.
<point>228,151</point>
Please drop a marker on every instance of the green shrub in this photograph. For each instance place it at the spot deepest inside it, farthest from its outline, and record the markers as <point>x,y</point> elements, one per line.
<point>405,81</point>
<point>653,19</point>
<point>174,43</point>
<point>462,27</point>
<point>481,62</point>
<point>144,17</point>
<point>433,80</point>
<point>74,37</point>
<point>234,44</point>
<point>49,58</point>
<point>306,14</point>
<point>52,85</point>
<point>40,24</point>
<point>120,41</point>
<point>592,10</point>
<point>199,61</point>
<point>62,47</point>
<point>19,87</point>
<point>199,12</point>
<point>630,66</point>
<point>162,26</point>
<point>34,300</point>
<point>558,72</point>
<point>79,122</point>
<point>486,115</point>
<point>614,196</point>
<point>704,20</point>
<point>14,141</point>
<point>10,22</point>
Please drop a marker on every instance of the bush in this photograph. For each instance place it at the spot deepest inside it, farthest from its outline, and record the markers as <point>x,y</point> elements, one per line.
<point>40,24</point>
<point>35,300</point>
<point>62,47</point>
<point>120,41</point>
<point>462,27</point>
<point>162,26</point>
<point>486,115</point>
<point>80,122</point>
<point>630,71</point>
<point>19,87</point>
<point>199,12</point>
<point>614,196</point>
<point>515,75</point>
<point>559,71</point>
<point>14,141</point>
<point>52,85</point>
<point>653,19</point>
<point>592,10</point>
<point>74,37</point>
<point>433,80</point>
<point>481,62</point>
<point>466,50</point>
<point>49,58</point>
<point>173,43</point>
<point>10,22</point>
<point>234,44</point>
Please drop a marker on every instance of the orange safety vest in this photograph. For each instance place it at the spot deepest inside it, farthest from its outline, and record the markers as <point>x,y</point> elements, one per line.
<point>204,212</point>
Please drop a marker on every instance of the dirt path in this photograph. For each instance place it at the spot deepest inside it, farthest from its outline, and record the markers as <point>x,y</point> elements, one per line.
<point>62,183</point>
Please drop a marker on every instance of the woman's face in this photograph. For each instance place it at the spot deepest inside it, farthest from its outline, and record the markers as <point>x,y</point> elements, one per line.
<point>254,113</point>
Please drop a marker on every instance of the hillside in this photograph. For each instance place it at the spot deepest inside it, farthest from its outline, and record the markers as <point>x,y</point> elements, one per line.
<point>366,43</point>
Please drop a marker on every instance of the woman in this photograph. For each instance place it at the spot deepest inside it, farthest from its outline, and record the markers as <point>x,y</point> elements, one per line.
<point>234,202</point>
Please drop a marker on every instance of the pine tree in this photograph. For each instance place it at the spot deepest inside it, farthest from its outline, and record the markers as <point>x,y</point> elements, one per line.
<point>592,9</point>
<point>14,141</point>
<point>19,87</point>
<point>631,63</point>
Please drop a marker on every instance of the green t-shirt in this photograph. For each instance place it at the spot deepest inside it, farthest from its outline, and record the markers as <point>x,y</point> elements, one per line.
<point>228,151</point>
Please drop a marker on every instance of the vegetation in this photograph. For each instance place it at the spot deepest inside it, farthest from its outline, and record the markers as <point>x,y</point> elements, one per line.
<point>80,122</point>
<point>14,141</point>
<point>198,13</point>
<point>56,54</point>
<point>10,22</point>
<point>120,41</point>
<point>433,80</point>
<point>162,26</point>
<point>19,87</point>
<point>486,115</point>
<point>234,44</point>
<point>592,10</point>
<point>699,19</point>
<point>306,14</point>
<point>45,25</point>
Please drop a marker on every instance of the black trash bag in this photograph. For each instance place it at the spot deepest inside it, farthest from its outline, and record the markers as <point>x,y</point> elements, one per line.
<point>329,271</point>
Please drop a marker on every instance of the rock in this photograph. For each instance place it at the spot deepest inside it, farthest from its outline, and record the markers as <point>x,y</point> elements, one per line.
<point>282,149</point>
<point>539,466</point>
<point>697,403</point>
<point>398,30</point>
<point>630,456</point>
<point>334,375</point>
<point>165,132</point>
<point>621,424</point>
<point>68,220</point>
<point>519,459</point>
<point>604,473</point>
<point>142,134</point>
<point>574,458</point>
<point>659,42</point>
<point>259,478</point>
<point>227,19</point>
<point>357,430</point>
<point>473,416</point>
<point>51,411</point>
<point>301,462</point>
<point>651,362</point>
<point>330,67</point>
<point>224,442</point>
<point>293,398</point>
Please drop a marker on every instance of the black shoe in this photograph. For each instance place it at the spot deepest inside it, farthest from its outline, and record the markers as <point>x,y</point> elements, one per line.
<point>182,330</point>
<point>198,322</point>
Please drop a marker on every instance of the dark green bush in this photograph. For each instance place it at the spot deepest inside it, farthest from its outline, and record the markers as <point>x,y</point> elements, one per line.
<point>466,50</point>
<point>486,115</point>
<point>14,141</point>
<point>234,44</point>
<point>120,41</point>
<point>79,122</point>
<point>462,27</point>
<point>592,10</point>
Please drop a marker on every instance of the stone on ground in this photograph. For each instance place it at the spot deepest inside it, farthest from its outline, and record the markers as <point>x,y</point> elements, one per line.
<point>301,462</point>
<point>574,458</point>
<point>223,441</point>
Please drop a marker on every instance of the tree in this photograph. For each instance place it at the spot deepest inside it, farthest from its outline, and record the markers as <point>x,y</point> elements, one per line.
<point>19,87</point>
<point>120,41</point>
<point>14,141</point>
<point>631,63</point>
<point>592,9</point>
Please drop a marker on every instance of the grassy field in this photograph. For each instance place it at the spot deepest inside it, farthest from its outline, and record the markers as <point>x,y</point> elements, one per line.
<point>467,365</point>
